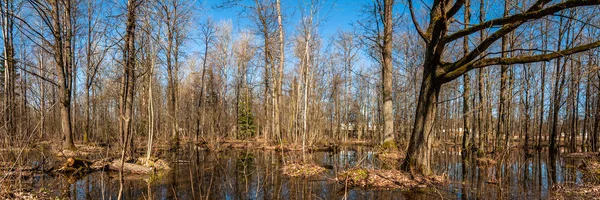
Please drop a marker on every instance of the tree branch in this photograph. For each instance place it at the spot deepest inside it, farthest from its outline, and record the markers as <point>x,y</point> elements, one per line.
<point>534,12</point>
<point>449,76</point>
<point>416,23</point>
<point>455,8</point>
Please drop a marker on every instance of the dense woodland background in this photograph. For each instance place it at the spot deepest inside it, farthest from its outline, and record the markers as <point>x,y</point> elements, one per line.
<point>139,73</point>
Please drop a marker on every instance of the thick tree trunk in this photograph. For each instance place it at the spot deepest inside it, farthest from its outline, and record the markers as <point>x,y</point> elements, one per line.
<point>418,155</point>
<point>65,116</point>
<point>388,115</point>
<point>63,59</point>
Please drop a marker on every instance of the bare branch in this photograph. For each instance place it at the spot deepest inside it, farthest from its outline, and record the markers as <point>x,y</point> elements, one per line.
<point>416,23</point>
<point>517,60</point>
<point>455,8</point>
<point>534,12</point>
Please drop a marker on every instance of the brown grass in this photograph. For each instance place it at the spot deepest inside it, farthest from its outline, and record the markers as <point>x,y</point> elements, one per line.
<point>391,155</point>
<point>302,170</point>
<point>586,191</point>
<point>385,179</point>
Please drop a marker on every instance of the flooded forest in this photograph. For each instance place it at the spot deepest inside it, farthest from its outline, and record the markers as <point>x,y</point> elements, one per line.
<point>300,99</point>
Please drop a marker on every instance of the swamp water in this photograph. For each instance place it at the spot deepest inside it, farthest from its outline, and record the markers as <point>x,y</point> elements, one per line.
<point>256,174</point>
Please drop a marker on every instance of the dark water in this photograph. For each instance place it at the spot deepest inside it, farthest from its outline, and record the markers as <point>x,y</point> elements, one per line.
<point>238,174</point>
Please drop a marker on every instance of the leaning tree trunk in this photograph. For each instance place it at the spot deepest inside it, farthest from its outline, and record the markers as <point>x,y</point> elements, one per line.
<point>418,156</point>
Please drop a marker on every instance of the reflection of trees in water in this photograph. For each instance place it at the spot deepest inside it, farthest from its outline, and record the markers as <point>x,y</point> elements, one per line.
<point>256,175</point>
<point>512,177</point>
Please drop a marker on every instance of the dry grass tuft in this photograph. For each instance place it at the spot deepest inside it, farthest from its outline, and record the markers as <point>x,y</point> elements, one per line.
<point>391,155</point>
<point>586,191</point>
<point>302,170</point>
<point>385,179</point>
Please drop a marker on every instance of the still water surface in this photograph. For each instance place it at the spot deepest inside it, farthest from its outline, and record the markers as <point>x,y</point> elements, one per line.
<point>238,174</point>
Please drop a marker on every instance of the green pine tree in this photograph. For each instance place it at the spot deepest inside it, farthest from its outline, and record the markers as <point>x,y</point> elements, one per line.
<point>245,122</point>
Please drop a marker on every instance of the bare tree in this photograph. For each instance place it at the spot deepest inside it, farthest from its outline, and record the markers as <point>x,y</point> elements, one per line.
<point>175,15</point>
<point>278,76</point>
<point>127,84</point>
<point>58,19</point>
<point>7,8</point>
<point>437,71</point>
<point>208,32</point>
<point>94,56</point>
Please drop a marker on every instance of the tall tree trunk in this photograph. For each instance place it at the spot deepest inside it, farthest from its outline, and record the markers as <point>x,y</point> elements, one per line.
<point>69,60</point>
<point>6,9</point>
<point>200,105</point>
<point>596,122</point>
<point>267,77</point>
<point>278,82</point>
<point>87,129</point>
<point>418,156</point>
<point>527,115</point>
<point>586,110</point>
<point>502,106</point>
<point>127,86</point>
<point>466,85</point>
<point>63,59</point>
<point>388,110</point>
<point>543,86</point>
<point>88,59</point>
<point>307,66</point>
<point>150,109</point>
<point>482,124</point>
<point>171,87</point>
<point>559,82</point>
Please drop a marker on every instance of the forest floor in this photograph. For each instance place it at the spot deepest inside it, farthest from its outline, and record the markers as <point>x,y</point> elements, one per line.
<point>589,164</point>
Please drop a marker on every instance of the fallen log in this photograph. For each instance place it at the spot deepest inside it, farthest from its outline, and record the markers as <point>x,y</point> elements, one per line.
<point>130,168</point>
<point>75,165</point>
<point>101,164</point>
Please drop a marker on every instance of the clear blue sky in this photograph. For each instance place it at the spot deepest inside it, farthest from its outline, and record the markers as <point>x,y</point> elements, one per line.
<point>342,13</point>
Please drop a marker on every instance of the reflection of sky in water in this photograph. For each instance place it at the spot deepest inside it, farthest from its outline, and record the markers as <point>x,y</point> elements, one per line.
<point>232,175</point>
